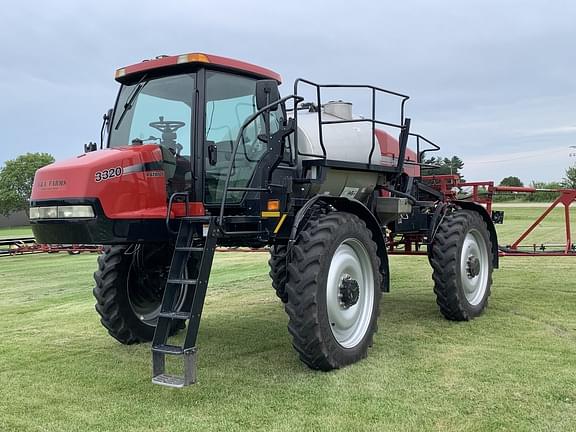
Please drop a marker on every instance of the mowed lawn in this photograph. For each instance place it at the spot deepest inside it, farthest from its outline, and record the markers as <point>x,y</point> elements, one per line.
<point>514,368</point>
<point>15,232</point>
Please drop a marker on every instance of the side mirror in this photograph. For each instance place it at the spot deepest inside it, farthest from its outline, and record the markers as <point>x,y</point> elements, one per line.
<point>106,125</point>
<point>266,93</point>
<point>108,119</point>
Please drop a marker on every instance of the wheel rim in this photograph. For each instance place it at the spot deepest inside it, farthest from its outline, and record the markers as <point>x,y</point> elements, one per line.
<point>474,267</point>
<point>145,289</point>
<point>350,293</point>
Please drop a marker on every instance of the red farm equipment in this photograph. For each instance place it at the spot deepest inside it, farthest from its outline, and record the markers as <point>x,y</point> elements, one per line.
<point>27,245</point>
<point>202,151</point>
<point>483,193</point>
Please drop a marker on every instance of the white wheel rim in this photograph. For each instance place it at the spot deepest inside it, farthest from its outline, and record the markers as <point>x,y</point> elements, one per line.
<point>474,267</point>
<point>349,323</point>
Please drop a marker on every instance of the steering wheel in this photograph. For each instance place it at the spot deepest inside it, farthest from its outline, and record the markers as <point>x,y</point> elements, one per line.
<point>167,126</point>
<point>169,136</point>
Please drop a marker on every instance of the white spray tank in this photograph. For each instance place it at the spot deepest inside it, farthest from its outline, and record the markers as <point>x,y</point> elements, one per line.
<point>345,142</point>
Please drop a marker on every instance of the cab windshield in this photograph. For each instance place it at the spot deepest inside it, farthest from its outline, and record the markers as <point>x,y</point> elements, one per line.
<point>158,111</point>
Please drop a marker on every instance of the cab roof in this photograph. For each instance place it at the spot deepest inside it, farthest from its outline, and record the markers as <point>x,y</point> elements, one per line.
<point>135,71</point>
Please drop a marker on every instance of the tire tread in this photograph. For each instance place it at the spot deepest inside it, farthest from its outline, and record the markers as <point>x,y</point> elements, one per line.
<point>444,260</point>
<point>302,285</point>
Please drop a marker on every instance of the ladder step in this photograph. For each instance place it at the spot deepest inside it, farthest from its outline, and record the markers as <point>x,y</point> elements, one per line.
<point>175,315</point>
<point>189,249</point>
<point>159,367</point>
<point>182,281</point>
<point>168,349</point>
<point>169,381</point>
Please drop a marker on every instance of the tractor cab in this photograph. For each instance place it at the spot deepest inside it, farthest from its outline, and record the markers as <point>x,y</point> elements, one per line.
<point>193,111</point>
<point>172,131</point>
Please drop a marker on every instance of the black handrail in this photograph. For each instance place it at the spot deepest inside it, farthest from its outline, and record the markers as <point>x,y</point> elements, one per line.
<point>365,86</point>
<point>420,154</point>
<point>402,126</point>
<point>239,137</point>
<point>175,195</point>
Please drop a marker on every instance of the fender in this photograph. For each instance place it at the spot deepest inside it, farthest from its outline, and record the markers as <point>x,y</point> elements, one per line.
<point>355,207</point>
<point>467,205</point>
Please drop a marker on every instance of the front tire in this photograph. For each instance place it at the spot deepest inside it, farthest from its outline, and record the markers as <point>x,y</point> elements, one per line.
<point>130,282</point>
<point>461,258</point>
<point>333,285</point>
<point>277,263</point>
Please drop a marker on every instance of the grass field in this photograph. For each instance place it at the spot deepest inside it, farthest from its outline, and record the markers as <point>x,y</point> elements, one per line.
<point>514,368</point>
<point>15,232</point>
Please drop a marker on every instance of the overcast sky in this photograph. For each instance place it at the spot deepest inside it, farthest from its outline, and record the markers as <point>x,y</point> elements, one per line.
<point>493,82</point>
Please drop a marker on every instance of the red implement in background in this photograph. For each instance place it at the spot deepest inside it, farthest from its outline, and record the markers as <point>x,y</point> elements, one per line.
<point>566,198</point>
<point>483,193</point>
<point>28,245</point>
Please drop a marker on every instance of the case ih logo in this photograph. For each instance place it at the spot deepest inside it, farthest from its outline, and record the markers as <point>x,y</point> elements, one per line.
<point>52,184</point>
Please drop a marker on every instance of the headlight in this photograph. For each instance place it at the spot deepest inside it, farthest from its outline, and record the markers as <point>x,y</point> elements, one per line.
<point>62,212</point>
<point>47,212</point>
<point>83,211</point>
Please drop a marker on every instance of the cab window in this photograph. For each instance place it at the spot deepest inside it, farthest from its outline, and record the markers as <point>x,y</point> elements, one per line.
<point>230,101</point>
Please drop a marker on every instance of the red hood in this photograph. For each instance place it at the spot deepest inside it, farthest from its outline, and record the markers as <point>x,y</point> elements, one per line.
<point>128,181</point>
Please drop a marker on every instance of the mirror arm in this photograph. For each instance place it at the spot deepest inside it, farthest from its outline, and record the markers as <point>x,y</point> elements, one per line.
<point>106,123</point>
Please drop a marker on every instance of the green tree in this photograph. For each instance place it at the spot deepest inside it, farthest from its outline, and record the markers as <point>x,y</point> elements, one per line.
<point>569,181</point>
<point>16,179</point>
<point>511,181</point>
<point>443,166</point>
<point>455,164</point>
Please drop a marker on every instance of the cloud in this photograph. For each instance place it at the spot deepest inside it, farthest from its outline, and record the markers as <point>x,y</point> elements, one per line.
<point>551,131</point>
<point>527,165</point>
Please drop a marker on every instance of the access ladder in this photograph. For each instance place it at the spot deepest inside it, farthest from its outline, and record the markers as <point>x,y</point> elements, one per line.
<point>195,243</point>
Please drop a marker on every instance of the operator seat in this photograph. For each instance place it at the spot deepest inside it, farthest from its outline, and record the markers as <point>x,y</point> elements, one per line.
<point>177,170</point>
<point>182,173</point>
<point>168,162</point>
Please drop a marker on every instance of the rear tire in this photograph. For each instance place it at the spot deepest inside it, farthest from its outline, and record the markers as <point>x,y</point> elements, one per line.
<point>128,307</point>
<point>333,285</point>
<point>461,258</point>
<point>277,263</point>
